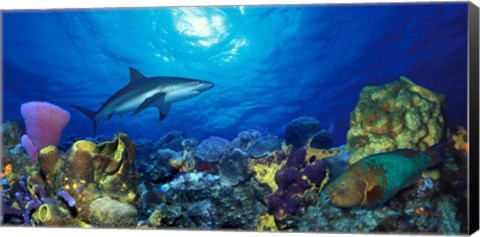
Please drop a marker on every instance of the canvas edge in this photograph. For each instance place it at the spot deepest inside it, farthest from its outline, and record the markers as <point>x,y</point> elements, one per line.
<point>1,106</point>
<point>473,164</point>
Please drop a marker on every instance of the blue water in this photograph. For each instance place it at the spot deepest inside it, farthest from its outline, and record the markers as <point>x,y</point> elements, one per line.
<point>270,64</point>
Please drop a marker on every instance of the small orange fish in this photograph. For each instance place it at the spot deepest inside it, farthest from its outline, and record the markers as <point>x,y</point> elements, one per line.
<point>8,170</point>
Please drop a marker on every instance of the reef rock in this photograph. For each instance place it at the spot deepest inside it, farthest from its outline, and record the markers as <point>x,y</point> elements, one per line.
<point>11,133</point>
<point>264,146</point>
<point>234,167</point>
<point>300,130</point>
<point>245,138</point>
<point>213,149</point>
<point>323,139</point>
<point>173,140</point>
<point>393,116</point>
<point>106,212</point>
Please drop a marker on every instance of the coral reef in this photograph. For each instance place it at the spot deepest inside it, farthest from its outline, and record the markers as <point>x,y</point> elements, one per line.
<point>256,182</point>
<point>191,181</point>
<point>20,197</point>
<point>70,140</point>
<point>213,149</point>
<point>396,115</point>
<point>234,167</point>
<point>245,138</point>
<point>173,140</point>
<point>90,172</point>
<point>456,170</point>
<point>323,139</point>
<point>406,213</point>
<point>300,130</point>
<point>265,169</point>
<point>299,183</point>
<point>11,134</point>
<point>45,123</point>
<point>324,218</point>
<point>337,164</point>
<point>263,146</point>
<point>207,206</point>
<point>266,222</point>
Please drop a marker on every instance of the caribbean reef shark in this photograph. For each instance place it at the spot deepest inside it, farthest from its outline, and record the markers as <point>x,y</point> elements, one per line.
<point>142,92</point>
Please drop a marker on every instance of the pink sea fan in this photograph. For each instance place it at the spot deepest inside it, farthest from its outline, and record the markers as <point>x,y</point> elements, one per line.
<point>45,123</point>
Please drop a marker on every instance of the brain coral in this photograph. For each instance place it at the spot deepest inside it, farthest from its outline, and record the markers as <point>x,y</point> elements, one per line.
<point>400,114</point>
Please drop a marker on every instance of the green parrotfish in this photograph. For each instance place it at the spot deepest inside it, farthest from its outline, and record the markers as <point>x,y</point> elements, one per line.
<point>376,178</point>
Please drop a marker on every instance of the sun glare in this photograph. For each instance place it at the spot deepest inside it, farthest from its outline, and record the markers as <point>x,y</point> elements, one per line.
<point>205,28</point>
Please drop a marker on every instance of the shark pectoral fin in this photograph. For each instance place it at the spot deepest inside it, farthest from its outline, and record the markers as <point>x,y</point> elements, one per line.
<point>163,109</point>
<point>159,97</point>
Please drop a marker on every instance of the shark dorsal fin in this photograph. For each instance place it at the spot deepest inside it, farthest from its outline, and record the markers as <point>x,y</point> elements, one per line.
<point>136,75</point>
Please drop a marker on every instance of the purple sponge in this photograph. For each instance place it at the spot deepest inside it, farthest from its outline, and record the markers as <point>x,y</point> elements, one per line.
<point>45,123</point>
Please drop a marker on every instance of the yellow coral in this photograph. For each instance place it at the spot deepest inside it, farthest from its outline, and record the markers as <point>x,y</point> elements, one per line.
<point>156,218</point>
<point>265,171</point>
<point>183,163</point>
<point>319,154</point>
<point>397,115</point>
<point>432,174</point>
<point>266,222</point>
<point>460,139</point>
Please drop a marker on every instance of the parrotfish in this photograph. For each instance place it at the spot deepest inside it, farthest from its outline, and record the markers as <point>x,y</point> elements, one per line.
<point>377,178</point>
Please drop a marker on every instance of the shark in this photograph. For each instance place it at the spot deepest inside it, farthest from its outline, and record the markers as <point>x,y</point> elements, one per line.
<point>144,92</point>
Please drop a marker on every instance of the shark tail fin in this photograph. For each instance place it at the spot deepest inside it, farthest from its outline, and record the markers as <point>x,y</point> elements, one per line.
<point>91,115</point>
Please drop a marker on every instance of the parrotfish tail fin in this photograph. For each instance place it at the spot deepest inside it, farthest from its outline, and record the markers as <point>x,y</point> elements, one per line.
<point>91,115</point>
<point>437,152</point>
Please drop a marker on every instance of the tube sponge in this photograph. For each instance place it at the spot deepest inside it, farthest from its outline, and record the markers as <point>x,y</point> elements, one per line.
<point>45,123</point>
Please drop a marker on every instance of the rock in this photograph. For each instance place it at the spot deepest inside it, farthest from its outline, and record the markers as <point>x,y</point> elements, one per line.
<point>213,149</point>
<point>234,167</point>
<point>107,212</point>
<point>323,139</point>
<point>263,146</point>
<point>300,130</point>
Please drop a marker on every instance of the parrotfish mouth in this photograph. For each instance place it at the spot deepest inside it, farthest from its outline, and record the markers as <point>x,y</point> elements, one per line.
<point>324,196</point>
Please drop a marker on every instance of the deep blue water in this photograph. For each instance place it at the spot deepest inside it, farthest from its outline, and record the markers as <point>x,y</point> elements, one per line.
<point>270,64</point>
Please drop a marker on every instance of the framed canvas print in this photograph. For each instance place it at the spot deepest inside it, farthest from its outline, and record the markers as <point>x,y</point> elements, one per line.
<point>317,118</point>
